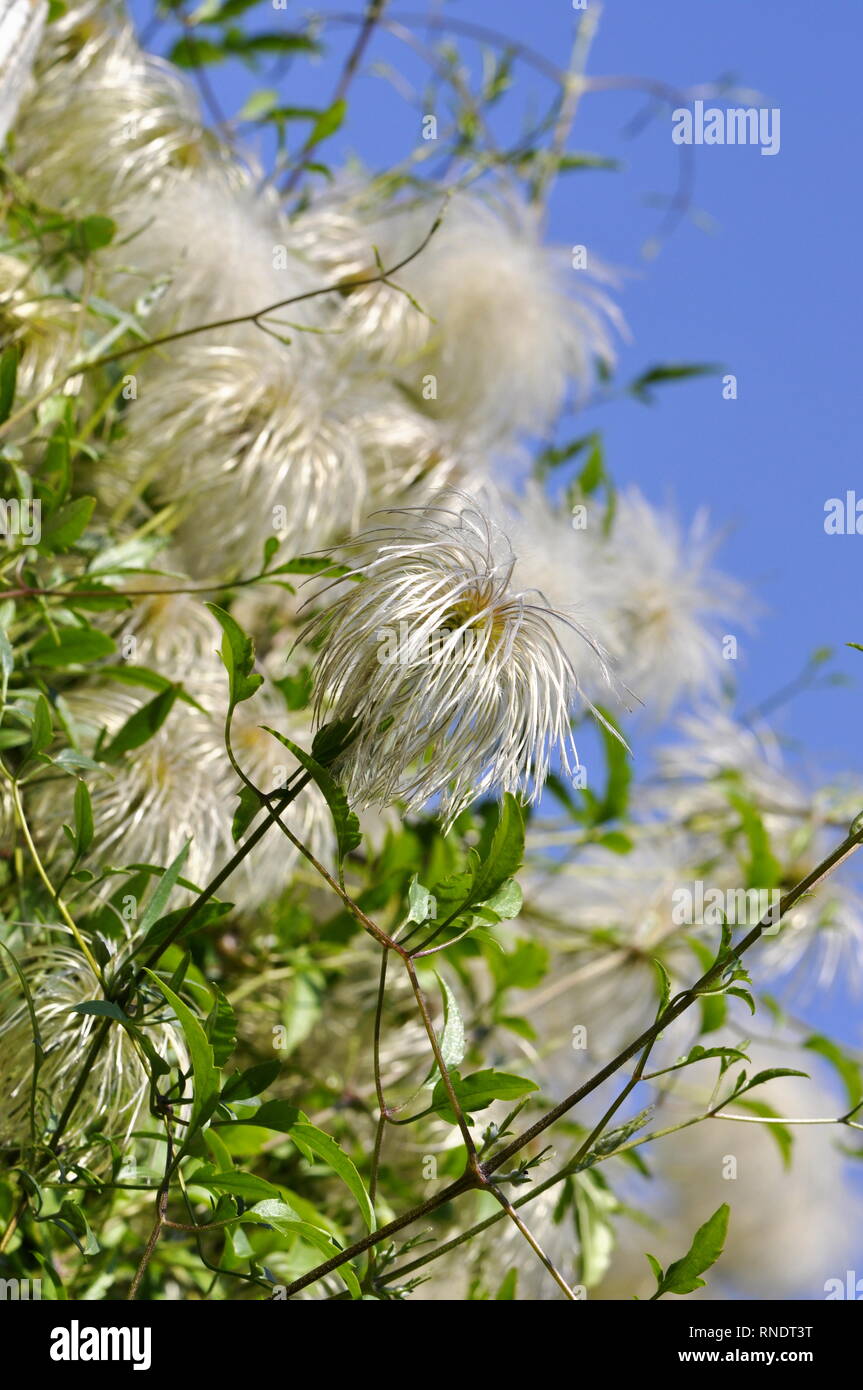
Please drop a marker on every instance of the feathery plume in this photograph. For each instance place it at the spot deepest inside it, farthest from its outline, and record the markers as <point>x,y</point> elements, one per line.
<point>458,682</point>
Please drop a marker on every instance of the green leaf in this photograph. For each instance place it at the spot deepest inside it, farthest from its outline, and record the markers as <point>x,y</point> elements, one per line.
<point>7,664</point>
<point>593,471</point>
<point>250,804</point>
<point>594,1205</point>
<point>681,1277</point>
<point>102,1008</point>
<point>452,1039</point>
<point>669,371</point>
<point>505,854</point>
<point>421,903</point>
<point>655,1266</point>
<point>771,1074</point>
<point>763,869</point>
<point>615,1137</point>
<point>71,1219</point>
<point>258,105</point>
<point>73,646</point>
<point>297,690</point>
<point>486,875</point>
<point>196,52</point>
<point>164,926</point>
<point>282,1219</point>
<point>309,1137</point>
<point>92,233</point>
<point>245,1185</point>
<point>251,1082</point>
<point>278,1115</point>
<point>329,122</point>
<point>702,1054</point>
<point>8,376</point>
<point>478,1090</point>
<point>205,1073</point>
<point>312,564</point>
<point>238,657</point>
<point>221,1027</point>
<point>67,524</point>
<point>157,903</point>
<point>554,457</point>
<point>348,834</point>
<point>331,740</point>
<point>569,162</point>
<point>143,724</point>
<point>42,728</point>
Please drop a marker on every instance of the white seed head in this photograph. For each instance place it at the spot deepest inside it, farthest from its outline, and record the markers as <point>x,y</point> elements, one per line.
<point>249,445</point>
<point>21,24</point>
<point>97,132</point>
<point>458,682</point>
<point>117,1088</point>
<point>670,605</point>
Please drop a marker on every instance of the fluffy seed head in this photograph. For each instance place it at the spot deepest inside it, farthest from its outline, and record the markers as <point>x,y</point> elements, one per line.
<point>250,447</point>
<point>59,978</point>
<point>458,682</point>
